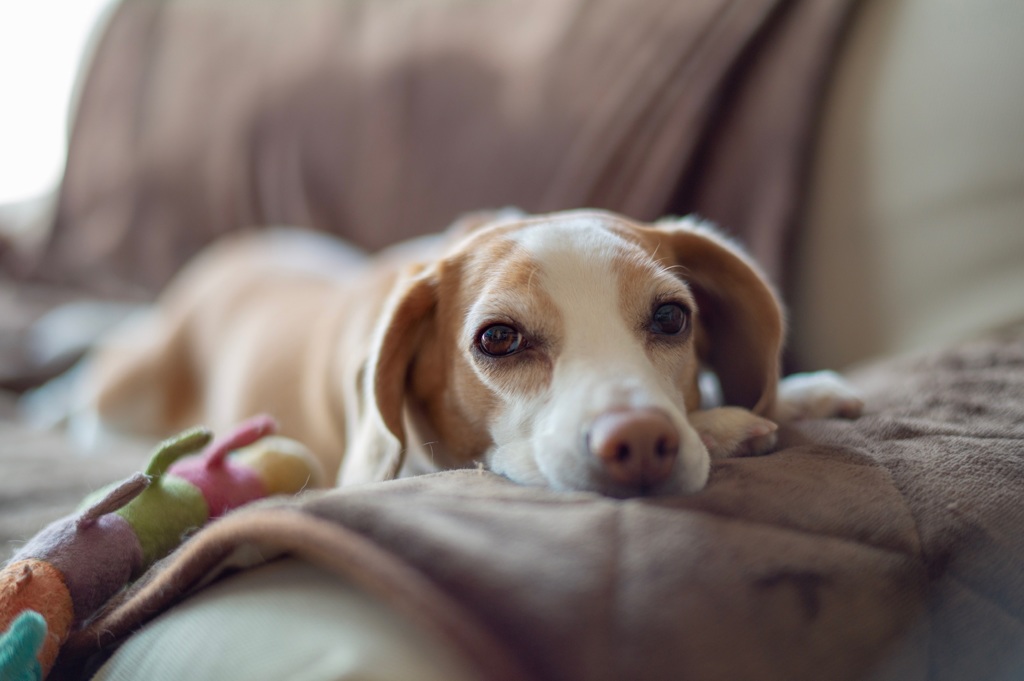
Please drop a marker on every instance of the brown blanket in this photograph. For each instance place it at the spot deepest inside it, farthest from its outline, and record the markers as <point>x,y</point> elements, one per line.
<point>891,547</point>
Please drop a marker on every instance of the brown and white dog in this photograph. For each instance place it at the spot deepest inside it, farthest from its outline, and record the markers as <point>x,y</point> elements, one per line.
<point>562,350</point>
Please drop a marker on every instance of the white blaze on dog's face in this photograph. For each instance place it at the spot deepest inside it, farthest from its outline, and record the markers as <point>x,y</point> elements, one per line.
<point>573,322</point>
<point>564,351</point>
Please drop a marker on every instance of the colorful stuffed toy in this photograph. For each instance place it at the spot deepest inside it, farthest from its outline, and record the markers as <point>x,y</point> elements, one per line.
<point>70,569</point>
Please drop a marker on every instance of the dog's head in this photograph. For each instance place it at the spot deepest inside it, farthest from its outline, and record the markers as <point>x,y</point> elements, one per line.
<point>564,351</point>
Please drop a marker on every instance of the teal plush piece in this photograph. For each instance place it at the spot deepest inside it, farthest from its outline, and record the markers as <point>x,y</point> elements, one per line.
<point>19,646</point>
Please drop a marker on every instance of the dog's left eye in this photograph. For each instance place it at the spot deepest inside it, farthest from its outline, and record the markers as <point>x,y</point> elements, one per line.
<point>669,319</point>
<point>500,340</point>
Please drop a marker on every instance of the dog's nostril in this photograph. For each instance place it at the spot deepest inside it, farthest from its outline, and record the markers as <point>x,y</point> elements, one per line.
<point>661,448</point>
<point>622,453</point>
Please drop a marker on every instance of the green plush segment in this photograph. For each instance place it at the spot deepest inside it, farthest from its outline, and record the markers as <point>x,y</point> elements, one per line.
<point>163,514</point>
<point>172,449</point>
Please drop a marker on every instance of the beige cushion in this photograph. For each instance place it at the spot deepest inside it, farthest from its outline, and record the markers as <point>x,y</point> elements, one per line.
<point>915,234</point>
<point>286,620</point>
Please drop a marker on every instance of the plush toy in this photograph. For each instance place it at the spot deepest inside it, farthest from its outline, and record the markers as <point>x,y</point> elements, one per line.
<point>67,571</point>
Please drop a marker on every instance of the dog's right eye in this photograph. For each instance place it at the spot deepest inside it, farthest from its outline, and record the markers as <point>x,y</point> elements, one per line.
<point>669,319</point>
<point>500,340</point>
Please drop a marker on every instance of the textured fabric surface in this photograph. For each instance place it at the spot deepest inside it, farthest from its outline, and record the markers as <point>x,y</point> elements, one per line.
<point>382,120</point>
<point>888,547</point>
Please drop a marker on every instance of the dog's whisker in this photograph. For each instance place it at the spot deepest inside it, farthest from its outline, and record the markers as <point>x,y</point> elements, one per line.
<point>430,447</point>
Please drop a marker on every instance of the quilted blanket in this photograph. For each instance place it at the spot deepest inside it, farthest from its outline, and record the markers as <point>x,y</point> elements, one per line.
<point>891,547</point>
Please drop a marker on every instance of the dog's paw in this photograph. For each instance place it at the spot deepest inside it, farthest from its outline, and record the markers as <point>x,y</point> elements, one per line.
<point>732,431</point>
<point>817,395</point>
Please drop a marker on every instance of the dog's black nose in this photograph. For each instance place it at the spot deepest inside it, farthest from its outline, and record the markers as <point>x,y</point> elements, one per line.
<point>636,447</point>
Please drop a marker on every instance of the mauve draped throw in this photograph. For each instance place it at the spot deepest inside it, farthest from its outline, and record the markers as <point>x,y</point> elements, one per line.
<point>382,120</point>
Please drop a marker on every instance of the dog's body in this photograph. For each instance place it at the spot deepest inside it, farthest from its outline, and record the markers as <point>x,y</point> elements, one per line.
<point>561,350</point>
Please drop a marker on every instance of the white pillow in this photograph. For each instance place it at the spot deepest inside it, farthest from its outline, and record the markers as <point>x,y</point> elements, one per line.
<point>284,620</point>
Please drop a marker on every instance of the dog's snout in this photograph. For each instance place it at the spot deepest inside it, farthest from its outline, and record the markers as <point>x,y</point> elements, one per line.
<point>636,447</point>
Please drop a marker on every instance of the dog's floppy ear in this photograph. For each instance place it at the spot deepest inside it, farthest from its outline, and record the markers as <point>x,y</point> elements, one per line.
<point>381,441</point>
<point>740,319</point>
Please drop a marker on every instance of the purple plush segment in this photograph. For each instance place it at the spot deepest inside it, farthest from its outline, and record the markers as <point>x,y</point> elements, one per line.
<point>96,560</point>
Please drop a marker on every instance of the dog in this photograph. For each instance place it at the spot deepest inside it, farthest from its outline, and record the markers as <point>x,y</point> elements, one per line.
<point>565,350</point>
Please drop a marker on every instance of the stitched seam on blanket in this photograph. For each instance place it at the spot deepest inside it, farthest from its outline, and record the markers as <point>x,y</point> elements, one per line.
<point>956,572</point>
<point>615,597</point>
<point>812,533</point>
<point>514,498</point>
<point>976,591</point>
<point>953,435</point>
<point>920,556</point>
<point>725,516</point>
<point>705,512</point>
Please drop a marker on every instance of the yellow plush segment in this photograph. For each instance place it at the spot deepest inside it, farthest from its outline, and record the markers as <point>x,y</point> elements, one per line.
<point>36,585</point>
<point>284,465</point>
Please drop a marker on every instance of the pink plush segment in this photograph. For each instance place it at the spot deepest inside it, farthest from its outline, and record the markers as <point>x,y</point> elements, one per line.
<point>224,487</point>
<point>225,484</point>
<point>96,558</point>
